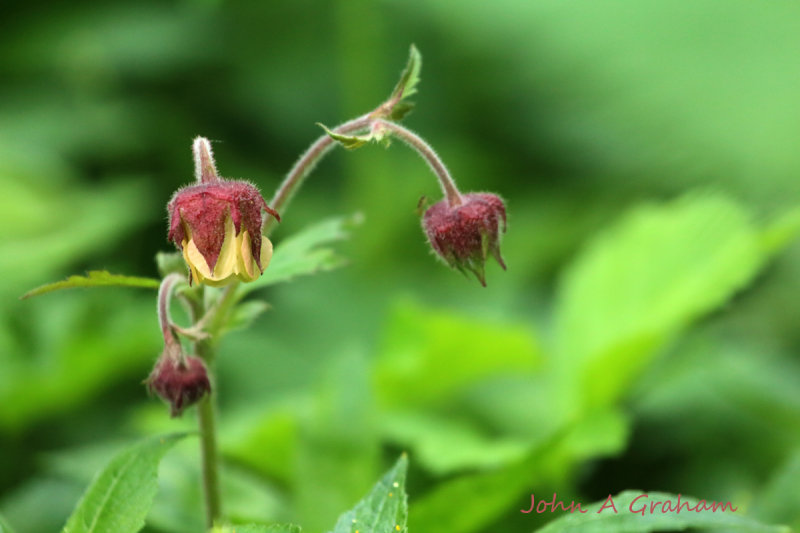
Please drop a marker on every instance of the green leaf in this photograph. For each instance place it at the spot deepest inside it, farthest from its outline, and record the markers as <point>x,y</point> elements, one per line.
<point>443,444</point>
<point>121,495</point>
<point>781,232</point>
<point>4,527</point>
<point>400,110</point>
<point>257,528</point>
<point>385,508</point>
<point>485,496</point>
<point>779,501</point>
<point>95,278</point>
<point>245,314</point>
<point>429,355</point>
<point>625,515</point>
<point>303,254</point>
<point>407,86</point>
<point>351,142</point>
<point>643,281</point>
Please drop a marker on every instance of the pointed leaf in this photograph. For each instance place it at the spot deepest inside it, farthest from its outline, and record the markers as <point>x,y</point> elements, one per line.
<point>645,280</point>
<point>351,142</point>
<point>625,515</point>
<point>303,254</point>
<point>409,79</point>
<point>95,278</point>
<point>121,495</point>
<point>385,508</point>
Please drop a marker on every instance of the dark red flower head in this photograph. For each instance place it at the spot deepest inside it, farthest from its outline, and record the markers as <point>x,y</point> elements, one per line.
<point>217,224</point>
<point>180,381</point>
<point>464,235</point>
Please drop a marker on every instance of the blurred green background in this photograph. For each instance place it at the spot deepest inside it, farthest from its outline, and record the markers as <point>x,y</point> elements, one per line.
<point>645,335</point>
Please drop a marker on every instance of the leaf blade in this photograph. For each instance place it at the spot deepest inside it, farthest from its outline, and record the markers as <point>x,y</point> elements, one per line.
<point>94,278</point>
<point>385,508</point>
<point>120,496</point>
<point>409,78</point>
<point>350,142</point>
<point>302,254</point>
<point>644,280</point>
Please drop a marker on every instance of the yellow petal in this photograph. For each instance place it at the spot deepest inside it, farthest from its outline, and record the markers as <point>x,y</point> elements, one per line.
<point>248,270</point>
<point>195,260</point>
<point>266,252</point>
<point>226,261</point>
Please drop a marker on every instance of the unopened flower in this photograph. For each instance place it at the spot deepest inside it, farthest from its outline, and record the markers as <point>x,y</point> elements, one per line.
<point>217,225</point>
<point>463,235</point>
<point>178,379</point>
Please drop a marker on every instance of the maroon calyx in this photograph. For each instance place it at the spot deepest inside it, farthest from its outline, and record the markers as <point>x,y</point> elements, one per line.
<point>180,381</point>
<point>463,235</point>
<point>200,210</point>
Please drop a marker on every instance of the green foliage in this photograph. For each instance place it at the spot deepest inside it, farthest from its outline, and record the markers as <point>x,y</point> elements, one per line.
<point>73,359</point>
<point>4,527</point>
<point>351,142</point>
<point>779,500</point>
<point>303,253</point>
<point>95,278</point>
<point>623,516</point>
<point>122,493</point>
<point>385,508</point>
<point>644,280</point>
<point>427,356</point>
<point>409,78</point>
<point>484,495</point>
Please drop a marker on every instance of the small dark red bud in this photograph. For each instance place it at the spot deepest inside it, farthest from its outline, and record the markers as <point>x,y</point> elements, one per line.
<point>180,381</point>
<point>464,235</point>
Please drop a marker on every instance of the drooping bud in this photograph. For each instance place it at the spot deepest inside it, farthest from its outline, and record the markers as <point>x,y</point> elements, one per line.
<point>179,380</point>
<point>217,225</point>
<point>463,235</point>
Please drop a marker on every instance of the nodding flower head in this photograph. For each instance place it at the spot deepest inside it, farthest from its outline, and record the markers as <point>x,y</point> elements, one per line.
<point>463,235</point>
<point>179,380</point>
<point>217,223</point>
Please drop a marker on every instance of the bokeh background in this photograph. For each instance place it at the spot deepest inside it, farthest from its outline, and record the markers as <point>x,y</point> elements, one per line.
<point>645,335</point>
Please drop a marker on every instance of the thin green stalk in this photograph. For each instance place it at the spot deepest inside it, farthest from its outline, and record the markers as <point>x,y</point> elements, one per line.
<point>206,419</point>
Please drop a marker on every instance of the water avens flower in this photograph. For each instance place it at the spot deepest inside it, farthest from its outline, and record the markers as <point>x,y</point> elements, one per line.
<point>217,223</point>
<point>465,233</point>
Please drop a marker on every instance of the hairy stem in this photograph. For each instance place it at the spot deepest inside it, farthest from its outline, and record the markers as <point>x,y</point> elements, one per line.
<point>204,168</point>
<point>306,163</point>
<point>164,296</point>
<point>206,420</point>
<point>429,155</point>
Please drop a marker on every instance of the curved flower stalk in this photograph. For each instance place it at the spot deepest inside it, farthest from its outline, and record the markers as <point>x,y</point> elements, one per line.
<point>462,229</point>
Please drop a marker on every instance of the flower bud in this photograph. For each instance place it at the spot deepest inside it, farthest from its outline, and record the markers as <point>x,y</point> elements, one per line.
<point>217,224</point>
<point>463,235</point>
<point>180,381</point>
